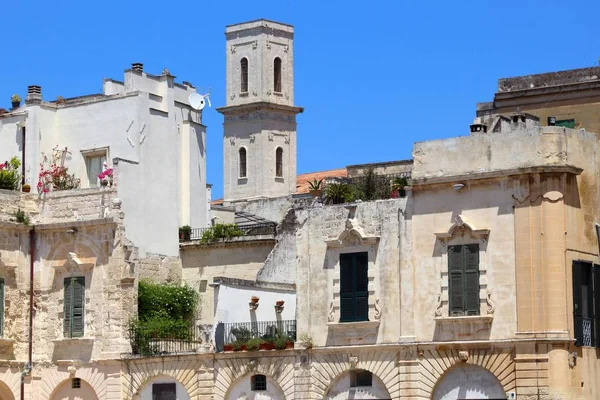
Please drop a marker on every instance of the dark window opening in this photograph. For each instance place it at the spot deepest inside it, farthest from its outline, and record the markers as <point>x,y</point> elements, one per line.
<point>242,163</point>
<point>279,162</point>
<point>354,287</point>
<point>244,75</point>
<point>164,391</point>
<point>361,378</point>
<point>74,302</point>
<point>277,75</point>
<point>258,382</point>
<point>76,383</point>
<point>463,279</point>
<point>586,303</point>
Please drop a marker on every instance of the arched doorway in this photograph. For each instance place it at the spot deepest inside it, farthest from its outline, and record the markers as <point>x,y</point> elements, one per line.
<point>255,386</point>
<point>468,382</point>
<point>5,392</point>
<point>163,387</point>
<point>74,389</point>
<point>357,384</point>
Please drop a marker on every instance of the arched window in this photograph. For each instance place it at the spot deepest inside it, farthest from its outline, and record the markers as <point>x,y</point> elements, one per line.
<point>244,76</point>
<point>242,162</point>
<point>258,382</point>
<point>279,162</point>
<point>277,75</point>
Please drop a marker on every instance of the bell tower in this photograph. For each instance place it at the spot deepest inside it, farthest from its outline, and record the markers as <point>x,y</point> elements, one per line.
<point>259,139</point>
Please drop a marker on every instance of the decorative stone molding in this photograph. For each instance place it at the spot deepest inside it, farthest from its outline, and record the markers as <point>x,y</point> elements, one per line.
<point>464,327</point>
<point>54,377</point>
<point>352,235</point>
<point>460,225</point>
<point>355,332</point>
<point>438,308</point>
<point>233,49</point>
<point>331,315</point>
<point>377,314</point>
<point>490,305</point>
<point>255,45</point>
<point>463,356</point>
<point>353,361</point>
<point>75,263</point>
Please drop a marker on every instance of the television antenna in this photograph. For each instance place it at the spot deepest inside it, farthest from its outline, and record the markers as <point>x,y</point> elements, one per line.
<point>198,101</point>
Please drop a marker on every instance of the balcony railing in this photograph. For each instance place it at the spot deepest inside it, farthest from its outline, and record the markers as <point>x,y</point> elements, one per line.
<point>587,331</point>
<point>268,228</point>
<point>228,333</point>
<point>156,341</point>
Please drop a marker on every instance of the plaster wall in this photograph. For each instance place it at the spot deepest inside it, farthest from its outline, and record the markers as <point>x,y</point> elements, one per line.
<point>11,138</point>
<point>273,209</point>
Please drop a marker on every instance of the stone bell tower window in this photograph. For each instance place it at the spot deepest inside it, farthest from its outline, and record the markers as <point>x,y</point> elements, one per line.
<point>277,75</point>
<point>244,75</point>
<point>242,162</point>
<point>279,162</point>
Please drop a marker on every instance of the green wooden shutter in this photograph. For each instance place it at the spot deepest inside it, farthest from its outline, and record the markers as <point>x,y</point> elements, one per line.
<point>78,306</point>
<point>596,274</point>
<point>2,308</point>
<point>67,308</point>
<point>455,280</point>
<point>346,288</point>
<point>577,304</point>
<point>361,294</point>
<point>471,257</point>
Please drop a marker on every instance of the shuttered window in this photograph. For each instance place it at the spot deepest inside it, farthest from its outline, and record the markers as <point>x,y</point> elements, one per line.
<point>463,279</point>
<point>164,391</point>
<point>74,306</point>
<point>2,308</point>
<point>354,287</point>
<point>586,303</point>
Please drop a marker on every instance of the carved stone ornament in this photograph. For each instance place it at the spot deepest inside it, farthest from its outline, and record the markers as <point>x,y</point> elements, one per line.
<point>269,92</point>
<point>331,315</point>
<point>254,92</point>
<point>438,309</point>
<point>463,355</point>
<point>352,235</point>
<point>268,44</point>
<point>232,140</point>
<point>72,371</point>
<point>377,314</point>
<point>233,49</point>
<point>75,263</point>
<point>491,307</point>
<point>270,136</point>
<point>460,225</point>
<point>286,49</point>
<point>353,362</point>
<point>254,45</point>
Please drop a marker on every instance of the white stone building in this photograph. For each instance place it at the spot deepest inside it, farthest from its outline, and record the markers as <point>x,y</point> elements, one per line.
<point>144,125</point>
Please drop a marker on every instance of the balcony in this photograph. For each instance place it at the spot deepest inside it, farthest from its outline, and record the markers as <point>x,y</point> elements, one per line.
<point>151,342</point>
<point>260,335</point>
<point>205,235</point>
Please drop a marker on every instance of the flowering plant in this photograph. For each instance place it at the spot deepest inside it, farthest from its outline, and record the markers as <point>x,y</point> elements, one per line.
<point>56,177</point>
<point>107,175</point>
<point>9,174</point>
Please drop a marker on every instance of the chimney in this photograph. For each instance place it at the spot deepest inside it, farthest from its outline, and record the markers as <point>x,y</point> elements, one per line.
<point>137,67</point>
<point>34,94</point>
<point>478,128</point>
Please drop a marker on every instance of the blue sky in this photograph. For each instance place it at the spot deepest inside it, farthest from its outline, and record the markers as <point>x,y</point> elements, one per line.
<point>373,76</point>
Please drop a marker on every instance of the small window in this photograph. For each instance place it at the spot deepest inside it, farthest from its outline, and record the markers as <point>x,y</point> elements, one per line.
<point>354,287</point>
<point>242,163</point>
<point>279,162</point>
<point>277,75</point>
<point>164,391</point>
<point>203,284</point>
<point>94,165</point>
<point>463,279</point>
<point>74,301</point>
<point>361,378</point>
<point>244,75</point>
<point>259,382</point>
<point>76,383</point>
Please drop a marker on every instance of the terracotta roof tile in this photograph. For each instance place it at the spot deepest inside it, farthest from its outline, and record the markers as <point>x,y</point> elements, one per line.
<point>303,180</point>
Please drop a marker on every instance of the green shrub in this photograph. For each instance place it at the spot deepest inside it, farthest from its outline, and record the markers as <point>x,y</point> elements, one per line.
<point>175,301</point>
<point>338,193</point>
<point>241,334</point>
<point>21,217</point>
<point>281,342</point>
<point>254,344</point>
<point>371,186</point>
<point>220,231</point>
<point>9,174</point>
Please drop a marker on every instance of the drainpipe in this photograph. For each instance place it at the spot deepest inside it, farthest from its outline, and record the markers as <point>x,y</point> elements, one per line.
<point>27,369</point>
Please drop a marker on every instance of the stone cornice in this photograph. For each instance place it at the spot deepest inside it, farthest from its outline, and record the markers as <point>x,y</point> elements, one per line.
<point>263,240</point>
<point>248,283</point>
<point>75,224</point>
<point>258,106</point>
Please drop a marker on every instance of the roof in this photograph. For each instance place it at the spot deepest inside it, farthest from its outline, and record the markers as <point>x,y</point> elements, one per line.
<point>303,180</point>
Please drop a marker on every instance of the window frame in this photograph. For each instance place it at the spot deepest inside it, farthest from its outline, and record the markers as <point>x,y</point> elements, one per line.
<point>260,386</point>
<point>468,273</point>
<point>359,377</point>
<point>279,162</point>
<point>244,80</point>
<point>359,299</point>
<point>87,156</point>
<point>277,72</point>
<point>69,329</point>
<point>242,164</point>
<point>158,385</point>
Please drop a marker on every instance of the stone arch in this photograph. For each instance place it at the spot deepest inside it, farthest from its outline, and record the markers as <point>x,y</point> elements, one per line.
<point>328,367</point>
<point>65,391</point>
<point>145,390</point>
<point>137,374</point>
<point>340,389</point>
<point>468,381</point>
<point>433,364</point>
<point>5,392</point>
<point>53,378</point>
<point>230,370</point>
<point>241,386</point>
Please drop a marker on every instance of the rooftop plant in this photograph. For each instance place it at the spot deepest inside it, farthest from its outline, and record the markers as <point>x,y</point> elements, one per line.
<point>15,98</point>
<point>56,177</point>
<point>220,231</point>
<point>338,193</point>
<point>315,184</point>
<point>9,174</point>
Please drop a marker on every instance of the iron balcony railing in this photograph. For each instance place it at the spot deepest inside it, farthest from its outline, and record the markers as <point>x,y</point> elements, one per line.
<point>266,228</point>
<point>228,333</point>
<point>587,331</point>
<point>152,341</point>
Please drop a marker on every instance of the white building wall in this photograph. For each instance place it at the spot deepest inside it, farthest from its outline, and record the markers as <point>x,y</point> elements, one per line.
<point>231,304</point>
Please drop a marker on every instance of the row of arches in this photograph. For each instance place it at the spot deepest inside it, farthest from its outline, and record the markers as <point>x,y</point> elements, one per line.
<point>244,75</point>
<point>243,162</point>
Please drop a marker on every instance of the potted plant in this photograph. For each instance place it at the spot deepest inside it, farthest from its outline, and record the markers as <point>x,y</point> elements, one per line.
<point>15,100</point>
<point>26,188</point>
<point>254,344</point>
<point>60,99</point>
<point>254,299</point>
<point>268,342</point>
<point>228,347</point>
<point>315,188</point>
<point>398,185</point>
<point>185,233</point>
<point>279,303</point>
<point>281,342</point>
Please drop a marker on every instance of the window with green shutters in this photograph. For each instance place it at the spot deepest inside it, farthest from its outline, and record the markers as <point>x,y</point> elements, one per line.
<point>586,303</point>
<point>2,308</point>
<point>463,279</point>
<point>74,306</point>
<point>354,287</point>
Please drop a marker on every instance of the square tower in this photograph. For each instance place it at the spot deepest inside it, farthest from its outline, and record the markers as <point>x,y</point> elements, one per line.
<point>259,150</point>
